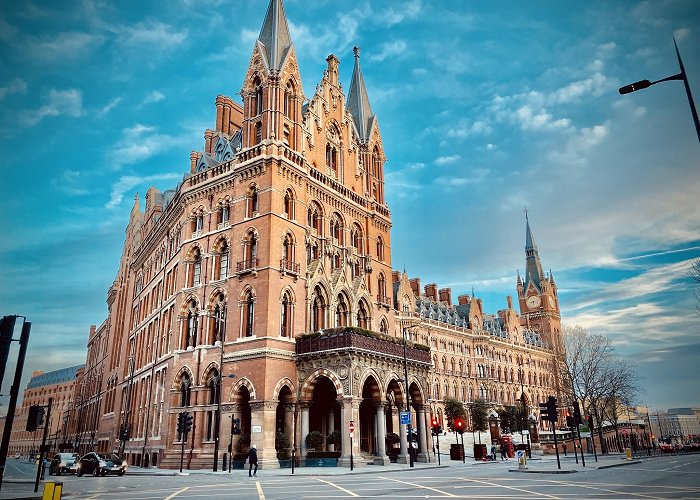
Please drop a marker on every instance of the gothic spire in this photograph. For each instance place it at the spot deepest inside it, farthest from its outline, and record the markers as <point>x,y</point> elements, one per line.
<point>533,266</point>
<point>358,102</point>
<point>274,38</point>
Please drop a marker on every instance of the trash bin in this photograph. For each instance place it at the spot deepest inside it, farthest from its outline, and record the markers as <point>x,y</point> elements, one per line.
<point>479,451</point>
<point>456,452</point>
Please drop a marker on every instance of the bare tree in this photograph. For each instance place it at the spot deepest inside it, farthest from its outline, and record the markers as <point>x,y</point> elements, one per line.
<point>694,275</point>
<point>596,376</point>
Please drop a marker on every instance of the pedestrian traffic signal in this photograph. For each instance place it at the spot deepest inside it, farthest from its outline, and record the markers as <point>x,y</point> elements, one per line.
<point>236,427</point>
<point>124,432</point>
<point>544,411</point>
<point>577,413</point>
<point>188,421</point>
<point>459,425</point>
<point>552,414</point>
<point>570,421</point>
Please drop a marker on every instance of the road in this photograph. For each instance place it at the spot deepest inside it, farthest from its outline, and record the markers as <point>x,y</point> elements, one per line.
<point>656,478</point>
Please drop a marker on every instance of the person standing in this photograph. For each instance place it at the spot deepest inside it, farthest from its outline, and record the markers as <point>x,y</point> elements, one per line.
<point>252,460</point>
<point>493,452</point>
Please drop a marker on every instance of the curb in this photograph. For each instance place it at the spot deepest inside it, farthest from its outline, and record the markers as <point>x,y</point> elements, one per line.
<point>535,471</point>
<point>631,462</point>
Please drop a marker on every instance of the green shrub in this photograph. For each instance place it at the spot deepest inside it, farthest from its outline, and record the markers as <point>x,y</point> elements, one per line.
<point>334,438</point>
<point>314,440</point>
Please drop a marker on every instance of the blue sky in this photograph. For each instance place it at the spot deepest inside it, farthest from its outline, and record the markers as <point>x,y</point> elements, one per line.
<point>484,108</point>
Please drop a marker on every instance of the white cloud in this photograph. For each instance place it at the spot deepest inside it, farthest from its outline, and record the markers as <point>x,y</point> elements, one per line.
<point>110,106</point>
<point>396,14</point>
<point>464,129</point>
<point>444,160</point>
<point>63,46</point>
<point>127,182</point>
<point>681,34</point>
<point>15,86</point>
<point>596,85</point>
<point>60,102</point>
<point>389,49</point>
<point>154,35</point>
<point>153,97</point>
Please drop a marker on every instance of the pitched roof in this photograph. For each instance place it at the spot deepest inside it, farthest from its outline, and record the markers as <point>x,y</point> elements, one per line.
<point>358,102</point>
<point>274,38</point>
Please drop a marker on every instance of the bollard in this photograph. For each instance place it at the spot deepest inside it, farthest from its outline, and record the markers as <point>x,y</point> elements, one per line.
<point>522,459</point>
<point>628,453</point>
<point>52,491</point>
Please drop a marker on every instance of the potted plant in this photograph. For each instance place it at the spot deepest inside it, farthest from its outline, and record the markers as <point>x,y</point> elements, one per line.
<point>392,446</point>
<point>335,439</point>
<point>241,455</point>
<point>282,447</point>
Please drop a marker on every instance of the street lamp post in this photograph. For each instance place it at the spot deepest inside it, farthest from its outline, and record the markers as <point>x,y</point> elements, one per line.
<point>221,327</point>
<point>408,404</point>
<point>524,419</point>
<point>642,84</point>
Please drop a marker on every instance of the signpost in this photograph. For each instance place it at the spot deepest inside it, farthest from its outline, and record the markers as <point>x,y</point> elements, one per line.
<point>404,418</point>
<point>351,428</point>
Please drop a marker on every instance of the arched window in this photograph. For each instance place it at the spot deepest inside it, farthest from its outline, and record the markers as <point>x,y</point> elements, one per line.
<point>219,329</point>
<point>224,213</point>
<point>286,320</point>
<point>191,325</point>
<point>341,312</point>
<point>185,389</point>
<point>313,219</point>
<point>332,159</point>
<point>250,256</point>
<point>381,290</point>
<point>258,133</point>
<point>213,387</point>
<point>289,100</point>
<point>357,239</point>
<point>221,272</point>
<point>318,309</point>
<point>253,203</point>
<point>196,268</point>
<point>248,313</point>
<point>289,204</point>
<point>384,327</point>
<point>362,315</point>
<point>288,252</point>
<point>198,223</point>
<point>258,102</point>
<point>380,248</point>
<point>336,229</point>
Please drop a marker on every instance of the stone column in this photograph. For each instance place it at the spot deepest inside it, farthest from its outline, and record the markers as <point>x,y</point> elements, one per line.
<point>304,406</point>
<point>263,415</point>
<point>381,457</point>
<point>331,428</point>
<point>350,411</point>
<point>421,411</point>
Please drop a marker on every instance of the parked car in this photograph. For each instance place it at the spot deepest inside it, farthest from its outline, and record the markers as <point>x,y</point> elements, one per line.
<point>63,462</point>
<point>100,464</point>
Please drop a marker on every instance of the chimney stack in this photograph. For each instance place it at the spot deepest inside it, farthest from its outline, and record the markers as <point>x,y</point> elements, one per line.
<point>431,291</point>
<point>446,296</point>
<point>415,286</point>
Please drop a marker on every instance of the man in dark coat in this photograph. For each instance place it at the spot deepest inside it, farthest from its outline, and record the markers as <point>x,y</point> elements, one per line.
<point>252,460</point>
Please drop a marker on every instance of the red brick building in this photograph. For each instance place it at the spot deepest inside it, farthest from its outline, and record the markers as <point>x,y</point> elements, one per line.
<point>280,228</point>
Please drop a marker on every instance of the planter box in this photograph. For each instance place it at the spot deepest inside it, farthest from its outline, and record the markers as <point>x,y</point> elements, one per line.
<point>238,464</point>
<point>456,452</point>
<point>321,462</point>
<point>479,451</point>
<point>285,463</point>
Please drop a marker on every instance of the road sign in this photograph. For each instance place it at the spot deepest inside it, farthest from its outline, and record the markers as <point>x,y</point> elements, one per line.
<point>352,435</point>
<point>351,427</point>
<point>404,418</point>
<point>256,428</point>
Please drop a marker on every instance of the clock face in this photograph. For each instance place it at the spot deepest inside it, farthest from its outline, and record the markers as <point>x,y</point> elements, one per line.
<point>552,303</point>
<point>533,301</point>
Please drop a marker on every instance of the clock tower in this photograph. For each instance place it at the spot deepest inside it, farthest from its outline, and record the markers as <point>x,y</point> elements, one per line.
<point>537,295</point>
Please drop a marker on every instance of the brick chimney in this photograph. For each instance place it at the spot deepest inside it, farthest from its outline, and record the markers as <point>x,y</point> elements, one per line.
<point>509,298</point>
<point>395,276</point>
<point>446,295</point>
<point>415,286</point>
<point>464,299</point>
<point>431,291</point>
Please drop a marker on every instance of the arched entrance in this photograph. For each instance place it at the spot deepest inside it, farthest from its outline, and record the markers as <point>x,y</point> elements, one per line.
<point>324,413</point>
<point>368,416</point>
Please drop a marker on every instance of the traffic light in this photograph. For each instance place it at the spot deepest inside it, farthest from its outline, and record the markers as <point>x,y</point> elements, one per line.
<point>544,415</point>
<point>552,414</point>
<point>188,421</point>
<point>577,413</point>
<point>236,427</point>
<point>7,327</point>
<point>35,419</point>
<point>589,420</point>
<point>570,422</point>
<point>181,422</point>
<point>124,433</point>
<point>459,425</point>
<point>437,428</point>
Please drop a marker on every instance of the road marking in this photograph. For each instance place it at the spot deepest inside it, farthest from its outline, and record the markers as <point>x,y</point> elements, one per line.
<point>418,486</point>
<point>338,487</point>
<point>261,495</point>
<point>177,493</point>
<point>617,492</point>
<point>488,483</point>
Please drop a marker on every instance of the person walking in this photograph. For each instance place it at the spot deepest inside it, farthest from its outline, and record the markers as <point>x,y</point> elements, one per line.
<point>252,460</point>
<point>504,452</point>
<point>493,452</point>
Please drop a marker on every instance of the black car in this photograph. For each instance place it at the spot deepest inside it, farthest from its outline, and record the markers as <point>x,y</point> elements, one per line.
<point>100,464</point>
<point>63,462</point>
